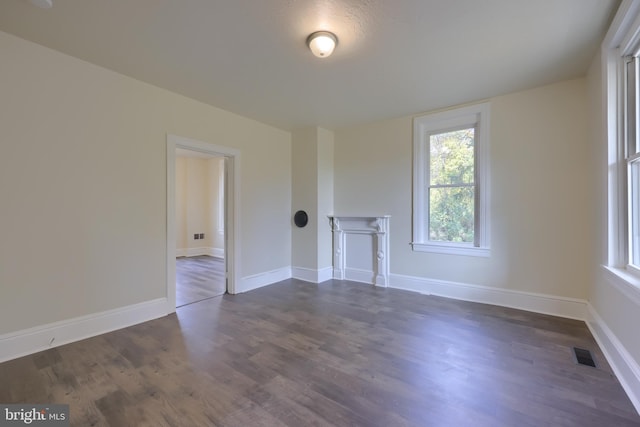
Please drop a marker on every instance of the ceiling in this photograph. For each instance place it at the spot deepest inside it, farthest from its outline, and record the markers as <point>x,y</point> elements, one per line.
<point>394,57</point>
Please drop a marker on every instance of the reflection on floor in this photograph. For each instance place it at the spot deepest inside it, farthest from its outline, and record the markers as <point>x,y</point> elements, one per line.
<point>199,278</point>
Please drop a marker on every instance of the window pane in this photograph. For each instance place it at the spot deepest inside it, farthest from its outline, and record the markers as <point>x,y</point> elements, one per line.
<point>451,214</point>
<point>634,212</point>
<point>632,107</point>
<point>451,157</point>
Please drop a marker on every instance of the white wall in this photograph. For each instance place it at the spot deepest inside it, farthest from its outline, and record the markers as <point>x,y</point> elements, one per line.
<point>615,304</point>
<point>598,166</point>
<point>182,211</point>
<point>305,197</point>
<point>540,223</point>
<point>198,207</point>
<point>312,191</point>
<point>83,186</point>
<point>326,143</point>
<point>215,237</point>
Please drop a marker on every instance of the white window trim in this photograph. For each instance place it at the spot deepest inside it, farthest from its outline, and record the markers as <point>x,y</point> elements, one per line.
<point>474,115</point>
<point>622,39</point>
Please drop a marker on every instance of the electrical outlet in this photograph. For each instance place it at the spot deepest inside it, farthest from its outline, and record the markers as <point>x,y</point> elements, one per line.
<point>202,235</point>
<point>196,236</point>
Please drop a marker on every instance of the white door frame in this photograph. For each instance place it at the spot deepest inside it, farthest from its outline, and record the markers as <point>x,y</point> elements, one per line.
<point>232,212</point>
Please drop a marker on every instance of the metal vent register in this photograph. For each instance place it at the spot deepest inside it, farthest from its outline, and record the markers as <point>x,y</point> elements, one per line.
<point>583,357</point>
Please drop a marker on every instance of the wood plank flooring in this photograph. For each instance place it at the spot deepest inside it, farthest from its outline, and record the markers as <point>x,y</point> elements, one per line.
<point>199,278</point>
<point>335,354</point>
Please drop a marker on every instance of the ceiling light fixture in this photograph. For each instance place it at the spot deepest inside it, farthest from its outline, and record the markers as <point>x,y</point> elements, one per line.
<point>44,4</point>
<point>322,43</point>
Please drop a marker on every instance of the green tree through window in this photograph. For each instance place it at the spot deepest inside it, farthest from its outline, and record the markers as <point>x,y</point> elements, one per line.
<point>451,186</point>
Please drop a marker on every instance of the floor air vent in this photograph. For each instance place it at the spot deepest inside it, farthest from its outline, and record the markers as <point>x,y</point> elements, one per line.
<point>584,357</point>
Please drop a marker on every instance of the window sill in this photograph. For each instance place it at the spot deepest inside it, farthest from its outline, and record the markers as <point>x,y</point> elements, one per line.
<point>451,249</point>
<point>626,281</point>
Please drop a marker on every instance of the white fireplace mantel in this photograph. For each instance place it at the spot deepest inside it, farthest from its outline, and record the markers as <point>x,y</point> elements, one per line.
<point>353,237</point>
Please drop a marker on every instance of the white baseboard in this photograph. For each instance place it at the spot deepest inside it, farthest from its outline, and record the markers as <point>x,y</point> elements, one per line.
<point>189,252</point>
<point>571,308</point>
<point>624,366</point>
<point>325,274</point>
<point>216,252</point>
<point>311,275</point>
<point>263,279</point>
<point>29,341</point>
<point>358,275</point>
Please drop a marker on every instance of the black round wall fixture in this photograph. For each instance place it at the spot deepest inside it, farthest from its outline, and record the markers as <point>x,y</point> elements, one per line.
<point>301,218</point>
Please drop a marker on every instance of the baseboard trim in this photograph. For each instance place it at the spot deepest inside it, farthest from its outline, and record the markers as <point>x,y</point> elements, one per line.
<point>311,275</point>
<point>32,340</point>
<point>571,308</point>
<point>189,252</point>
<point>216,252</point>
<point>259,280</point>
<point>359,275</point>
<point>624,366</point>
<point>325,274</point>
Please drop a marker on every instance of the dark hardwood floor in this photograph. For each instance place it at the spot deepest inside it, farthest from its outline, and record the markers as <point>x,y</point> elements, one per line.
<point>199,278</point>
<point>335,354</point>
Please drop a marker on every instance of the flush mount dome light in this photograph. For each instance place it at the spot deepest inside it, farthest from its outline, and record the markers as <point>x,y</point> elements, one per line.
<point>322,43</point>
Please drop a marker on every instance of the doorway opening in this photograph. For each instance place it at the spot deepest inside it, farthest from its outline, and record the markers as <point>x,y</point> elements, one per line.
<point>202,220</point>
<point>200,257</point>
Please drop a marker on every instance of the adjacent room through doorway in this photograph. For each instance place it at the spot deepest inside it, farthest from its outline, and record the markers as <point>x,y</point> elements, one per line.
<point>200,226</point>
<point>199,278</point>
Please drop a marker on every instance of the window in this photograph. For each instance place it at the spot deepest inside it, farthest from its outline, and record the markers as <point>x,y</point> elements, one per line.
<point>631,163</point>
<point>634,211</point>
<point>450,188</point>
<point>621,68</point>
